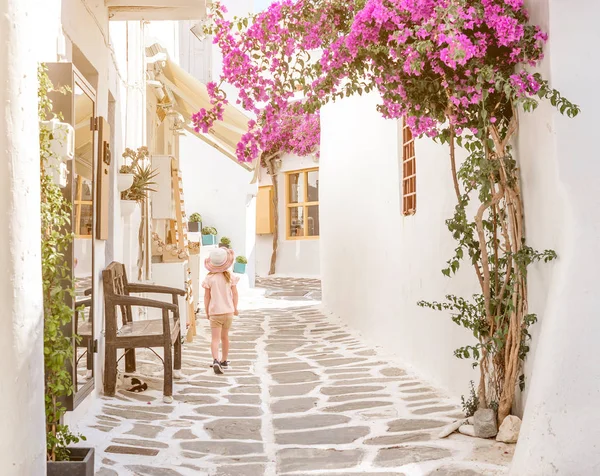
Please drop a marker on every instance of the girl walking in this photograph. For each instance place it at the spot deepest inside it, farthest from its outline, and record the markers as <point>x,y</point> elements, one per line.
<point>220,302</point>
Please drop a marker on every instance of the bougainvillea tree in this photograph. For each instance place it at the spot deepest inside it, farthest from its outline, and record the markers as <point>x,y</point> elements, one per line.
<point>457,71</point>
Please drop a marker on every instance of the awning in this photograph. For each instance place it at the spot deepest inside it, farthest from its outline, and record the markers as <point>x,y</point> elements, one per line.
<point>191,95</point>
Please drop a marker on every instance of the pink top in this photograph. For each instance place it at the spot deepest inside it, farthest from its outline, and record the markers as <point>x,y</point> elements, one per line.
<point>221,296</point>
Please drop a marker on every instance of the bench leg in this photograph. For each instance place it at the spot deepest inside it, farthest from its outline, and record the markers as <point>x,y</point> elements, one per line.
<point>130,360</point>
<point>168,373</point>
<point>178,351</point>
<point>110,371</point>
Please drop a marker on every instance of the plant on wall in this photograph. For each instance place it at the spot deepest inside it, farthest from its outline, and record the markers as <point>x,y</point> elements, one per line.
<point>143,175</point>
<point>453,70</point>
<point>57,287</point>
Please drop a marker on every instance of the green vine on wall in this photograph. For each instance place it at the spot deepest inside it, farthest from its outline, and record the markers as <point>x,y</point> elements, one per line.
<point>493,241</point>
<point>57,287</point>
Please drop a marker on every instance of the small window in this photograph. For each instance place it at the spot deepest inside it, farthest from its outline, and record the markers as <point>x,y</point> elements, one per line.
<point>302,204</point>
<point>409,172</point>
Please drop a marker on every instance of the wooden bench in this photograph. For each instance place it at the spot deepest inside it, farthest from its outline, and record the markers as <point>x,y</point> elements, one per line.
<point>165,332</point>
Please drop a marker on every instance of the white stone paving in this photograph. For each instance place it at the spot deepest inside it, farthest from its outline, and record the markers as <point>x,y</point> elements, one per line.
<point>305,396</point>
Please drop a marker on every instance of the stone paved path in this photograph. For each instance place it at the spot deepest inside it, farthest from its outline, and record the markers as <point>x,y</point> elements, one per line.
<point>305,397</point>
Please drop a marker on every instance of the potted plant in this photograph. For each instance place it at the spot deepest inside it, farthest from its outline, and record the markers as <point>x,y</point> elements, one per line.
<point>58,288</point>
<point>240,265</point>
<point>127,171</point>
<point>143,175</point>
<point>225,243</point>
<point>195,223</point>
<point>209,236</point>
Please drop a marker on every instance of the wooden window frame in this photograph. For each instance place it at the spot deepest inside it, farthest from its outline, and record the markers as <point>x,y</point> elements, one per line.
<point>409,172</point>
<point>304,204</point>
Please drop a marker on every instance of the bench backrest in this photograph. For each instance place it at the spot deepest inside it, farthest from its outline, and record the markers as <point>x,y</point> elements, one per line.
<point>114,278</point>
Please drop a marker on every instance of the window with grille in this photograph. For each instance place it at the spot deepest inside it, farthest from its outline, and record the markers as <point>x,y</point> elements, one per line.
<point>409,172</point>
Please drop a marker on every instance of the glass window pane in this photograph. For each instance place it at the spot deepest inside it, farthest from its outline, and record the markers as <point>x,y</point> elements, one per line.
<point>86,190</point>
<point>312,220</point>
<point>313,186</point>
<point>85,220</point>
<point>296,221</point>
<point>296,182</point>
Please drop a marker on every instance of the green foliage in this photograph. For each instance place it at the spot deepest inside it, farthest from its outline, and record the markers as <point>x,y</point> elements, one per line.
<point>226,241</point>
<point>471,404</point>
<point>492,241</point>
<point>143,175</point>
<point>209,230</point>
<point>196,218</point>
<point>57,287</point>
<point>241,260</point>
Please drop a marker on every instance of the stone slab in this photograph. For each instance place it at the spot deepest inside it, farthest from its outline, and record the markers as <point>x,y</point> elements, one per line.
<point>414,424</point>
<point>399,455</point>
<point>310,421</point>
<point>235,429</point>
<point>131,450</point>
<point>332,436</point>
<point>312,459</point>
<point>223,448</point>
<point>294,405</point>
<point>229,411</point>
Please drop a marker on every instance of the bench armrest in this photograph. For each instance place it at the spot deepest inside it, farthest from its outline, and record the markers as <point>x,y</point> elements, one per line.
<point>83,302</point>
<point>151,288</point>
<point>142,302</point>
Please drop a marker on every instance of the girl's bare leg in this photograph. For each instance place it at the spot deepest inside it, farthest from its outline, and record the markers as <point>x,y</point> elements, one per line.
<point>214,345</point>
<point>225,344</point>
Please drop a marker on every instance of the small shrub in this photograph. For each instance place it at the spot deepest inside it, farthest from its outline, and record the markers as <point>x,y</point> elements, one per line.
<point>472,403</point>
<point>225,241</point>
<point>195,218</point>
<point>241,260</point>
<point>209,230</point>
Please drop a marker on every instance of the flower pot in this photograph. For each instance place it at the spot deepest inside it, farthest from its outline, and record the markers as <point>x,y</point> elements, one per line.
<point>81,464</point>
<point>239,268</point>
<point>194,226</point>
<point>124,182</point>
<point>208,240</point>
<point>223,245</point>
<point>128,207</point>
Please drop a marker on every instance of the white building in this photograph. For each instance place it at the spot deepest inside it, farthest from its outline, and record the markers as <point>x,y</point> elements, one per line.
<point>98,49</point>
<point>379,257</point>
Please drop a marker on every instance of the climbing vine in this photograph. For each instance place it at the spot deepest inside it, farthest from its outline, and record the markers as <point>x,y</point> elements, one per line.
<point>57,286</point>
<point>456,71</point>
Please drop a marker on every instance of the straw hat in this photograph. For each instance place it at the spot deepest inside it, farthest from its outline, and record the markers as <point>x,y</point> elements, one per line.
<point>219,260</point>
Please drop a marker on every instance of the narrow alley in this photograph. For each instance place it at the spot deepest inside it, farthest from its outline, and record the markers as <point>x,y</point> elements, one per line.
<point>304,396</point>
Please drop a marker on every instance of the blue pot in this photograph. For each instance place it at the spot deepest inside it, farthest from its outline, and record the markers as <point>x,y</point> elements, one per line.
<point>239,268</point>
<point>208,240</point>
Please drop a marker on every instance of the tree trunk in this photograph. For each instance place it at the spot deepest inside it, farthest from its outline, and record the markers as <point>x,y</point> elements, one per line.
<point>273,174</point>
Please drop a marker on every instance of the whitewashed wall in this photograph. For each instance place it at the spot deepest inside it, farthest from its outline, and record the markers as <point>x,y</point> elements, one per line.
<point>561,166</point>
<point>296,258</point>
<point>375,263</point>
<point>220,190</point>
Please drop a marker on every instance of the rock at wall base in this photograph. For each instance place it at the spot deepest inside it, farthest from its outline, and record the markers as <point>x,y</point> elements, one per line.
<point>468,430</point>
<point>509,430</point>
<point>485,423</point>
<point>451,428</point>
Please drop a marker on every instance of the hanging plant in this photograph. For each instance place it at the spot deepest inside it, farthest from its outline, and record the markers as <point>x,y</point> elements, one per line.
<point>57,287</point>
